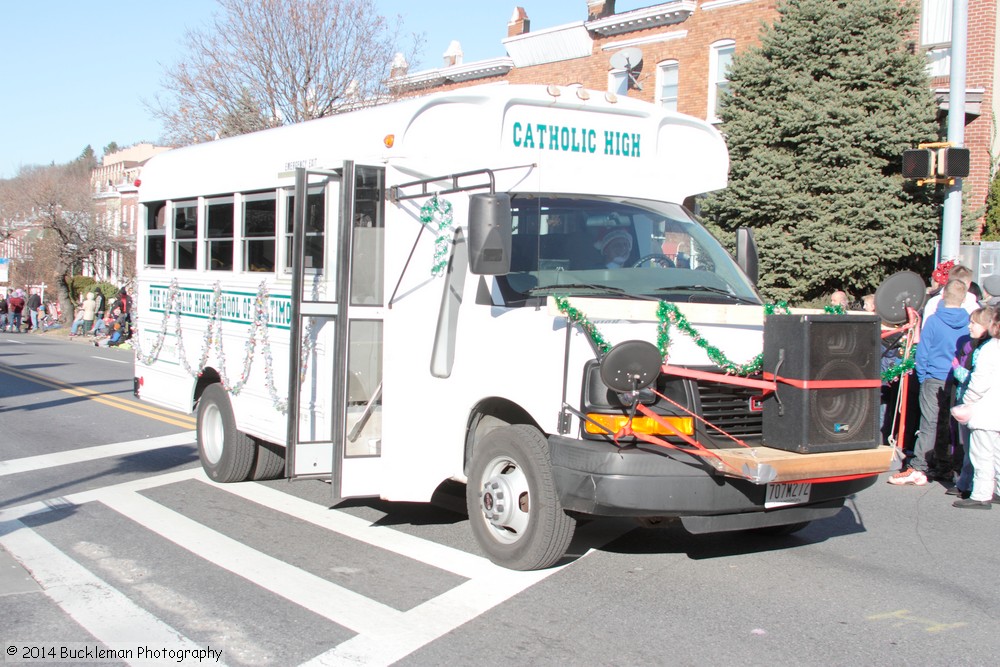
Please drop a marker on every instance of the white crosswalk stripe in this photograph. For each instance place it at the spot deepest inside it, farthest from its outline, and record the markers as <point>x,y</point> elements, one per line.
<point>383,634</point>
<point>31,463</point>
<point>106,613</point>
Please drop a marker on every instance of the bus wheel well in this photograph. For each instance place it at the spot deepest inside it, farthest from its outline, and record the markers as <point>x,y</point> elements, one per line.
<point>207,377</point>
<point>488,415</point>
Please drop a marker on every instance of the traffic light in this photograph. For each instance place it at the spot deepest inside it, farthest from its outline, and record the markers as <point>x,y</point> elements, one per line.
<point>952,162</point>
<point>918,163</point>
<point>936,163</point>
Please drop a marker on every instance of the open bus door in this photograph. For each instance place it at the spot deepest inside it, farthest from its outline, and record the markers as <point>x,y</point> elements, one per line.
<point>335,343</point>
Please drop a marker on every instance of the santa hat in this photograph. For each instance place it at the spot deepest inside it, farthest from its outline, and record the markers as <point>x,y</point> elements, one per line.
<point>614,235</point>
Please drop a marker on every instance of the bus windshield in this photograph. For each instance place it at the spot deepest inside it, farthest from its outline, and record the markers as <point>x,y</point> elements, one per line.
<point>594,246</point>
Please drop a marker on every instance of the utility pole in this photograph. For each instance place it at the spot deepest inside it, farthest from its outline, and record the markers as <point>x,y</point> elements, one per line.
<point>951,225</point>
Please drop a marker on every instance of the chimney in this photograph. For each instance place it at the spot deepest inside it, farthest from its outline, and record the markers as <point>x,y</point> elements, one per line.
<point>598,9</point>
<point>519,23</point>
<point>399,67</point>
<point>453,56</point>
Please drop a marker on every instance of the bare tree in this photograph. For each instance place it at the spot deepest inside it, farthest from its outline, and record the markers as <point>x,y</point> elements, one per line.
<point>57,200</point>
<point>10,209</point>
<point>265,63</point>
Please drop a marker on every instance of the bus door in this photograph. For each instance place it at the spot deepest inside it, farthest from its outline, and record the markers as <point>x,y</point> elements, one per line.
<point>335,350</point>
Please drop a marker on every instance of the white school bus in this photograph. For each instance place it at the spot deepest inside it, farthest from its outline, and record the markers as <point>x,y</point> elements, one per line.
<point>498,286</point>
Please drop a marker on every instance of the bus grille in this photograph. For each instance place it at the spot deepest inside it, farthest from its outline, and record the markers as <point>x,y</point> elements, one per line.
<point>727,406</point>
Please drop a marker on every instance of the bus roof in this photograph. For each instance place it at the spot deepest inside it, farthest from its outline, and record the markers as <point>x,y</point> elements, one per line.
<point>575,140</point>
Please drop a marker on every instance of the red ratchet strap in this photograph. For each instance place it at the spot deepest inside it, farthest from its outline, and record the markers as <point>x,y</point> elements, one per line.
<point>698,448</point>
<point>891,332</point>
<point>717,377</point>
<point>826,384</point>
<point>839,478</point>
<point>770,380</point>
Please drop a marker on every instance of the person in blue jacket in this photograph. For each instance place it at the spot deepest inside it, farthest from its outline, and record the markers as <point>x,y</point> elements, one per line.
<point>935,351</point>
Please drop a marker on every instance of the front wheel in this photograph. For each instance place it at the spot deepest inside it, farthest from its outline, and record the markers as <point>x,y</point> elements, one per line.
<point>227,455</point>
<point>514,511</point>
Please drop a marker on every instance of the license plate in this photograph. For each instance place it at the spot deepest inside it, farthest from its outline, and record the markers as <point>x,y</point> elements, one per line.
<point>782,495</point>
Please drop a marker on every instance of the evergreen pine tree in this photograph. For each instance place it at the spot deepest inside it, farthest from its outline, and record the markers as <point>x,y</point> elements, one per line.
<point>991,224</point>
<point>88,157</point>
<point>816,120</point>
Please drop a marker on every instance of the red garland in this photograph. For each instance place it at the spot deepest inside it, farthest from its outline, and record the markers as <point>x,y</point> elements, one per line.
<point>941,272</point>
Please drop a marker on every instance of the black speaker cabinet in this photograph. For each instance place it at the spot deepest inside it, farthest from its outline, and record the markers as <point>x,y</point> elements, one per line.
<point>811,351</point>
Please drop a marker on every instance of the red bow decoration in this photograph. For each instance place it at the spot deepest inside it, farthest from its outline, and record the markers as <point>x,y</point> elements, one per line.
<point>941,272</point>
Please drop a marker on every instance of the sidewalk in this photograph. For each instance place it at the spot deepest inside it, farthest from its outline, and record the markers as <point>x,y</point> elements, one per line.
<point>62,333</point>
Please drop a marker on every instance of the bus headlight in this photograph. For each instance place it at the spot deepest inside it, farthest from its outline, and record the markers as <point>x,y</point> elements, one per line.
<point>646,425</point>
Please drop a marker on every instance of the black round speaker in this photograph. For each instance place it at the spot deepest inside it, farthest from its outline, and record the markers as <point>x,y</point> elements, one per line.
<point>838,415</point>
<point>897,293</point>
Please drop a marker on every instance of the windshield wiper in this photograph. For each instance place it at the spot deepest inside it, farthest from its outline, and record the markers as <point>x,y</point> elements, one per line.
<point>710,290</point>
<point>555,289</point>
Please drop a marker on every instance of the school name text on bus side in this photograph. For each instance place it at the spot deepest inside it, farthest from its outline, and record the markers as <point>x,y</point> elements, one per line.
<point>575,139</point>
<point>232,306</point>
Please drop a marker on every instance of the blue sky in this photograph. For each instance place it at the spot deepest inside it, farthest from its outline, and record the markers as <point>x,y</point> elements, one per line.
<point>74,73</point>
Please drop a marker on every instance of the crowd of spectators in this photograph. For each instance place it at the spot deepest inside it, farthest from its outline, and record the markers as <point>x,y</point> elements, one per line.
<point>957,365</point>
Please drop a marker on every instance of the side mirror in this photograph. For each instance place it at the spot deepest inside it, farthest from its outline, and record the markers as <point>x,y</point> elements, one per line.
<point>489,234</point>
<point>746,253</point>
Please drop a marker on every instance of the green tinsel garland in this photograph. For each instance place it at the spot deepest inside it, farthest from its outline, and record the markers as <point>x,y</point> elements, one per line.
<point>436,214</point>
<point>772,308</point>
<point>668,313</point>
<point>896,371</point>
<point>576,317</point>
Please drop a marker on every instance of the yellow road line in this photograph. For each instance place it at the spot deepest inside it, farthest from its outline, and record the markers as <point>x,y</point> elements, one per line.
<point>150,411</point>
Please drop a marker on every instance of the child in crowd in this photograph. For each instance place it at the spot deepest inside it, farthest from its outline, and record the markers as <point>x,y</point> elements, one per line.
<point>980,408</point>
<point>964,362</point>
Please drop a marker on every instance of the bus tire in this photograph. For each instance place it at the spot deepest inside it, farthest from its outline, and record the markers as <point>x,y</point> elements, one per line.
<point>270,461</point>
<point>534,531</point>
<point>226,454</point>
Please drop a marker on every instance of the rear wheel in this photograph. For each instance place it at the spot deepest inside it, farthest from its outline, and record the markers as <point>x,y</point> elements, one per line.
<point>270,461</point>
<point>226,454</point>
<point>514,510</point>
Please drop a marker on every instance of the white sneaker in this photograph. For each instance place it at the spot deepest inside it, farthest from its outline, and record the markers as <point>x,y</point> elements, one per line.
<point>908,476</point>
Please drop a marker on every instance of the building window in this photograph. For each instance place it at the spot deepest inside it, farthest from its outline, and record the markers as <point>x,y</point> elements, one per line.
<point>935,35</point>
<point>666,84</point>
<point>720,58</point>
<point>259,223</point>
<point>186,235</point>
<point>219,234</point>
<point>156,234</point>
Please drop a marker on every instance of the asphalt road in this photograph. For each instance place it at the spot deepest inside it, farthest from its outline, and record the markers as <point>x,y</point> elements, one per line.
<point>110,536</point>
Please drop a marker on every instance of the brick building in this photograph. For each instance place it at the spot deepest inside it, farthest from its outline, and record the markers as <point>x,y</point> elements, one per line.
<point>685,48</point>
<point>116,204</point>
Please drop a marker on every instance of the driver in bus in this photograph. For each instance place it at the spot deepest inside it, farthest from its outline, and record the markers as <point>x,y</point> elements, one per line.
<point>615,247</point>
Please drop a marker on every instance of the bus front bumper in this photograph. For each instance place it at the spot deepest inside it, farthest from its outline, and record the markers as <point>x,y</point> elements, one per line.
<point>599,479</point>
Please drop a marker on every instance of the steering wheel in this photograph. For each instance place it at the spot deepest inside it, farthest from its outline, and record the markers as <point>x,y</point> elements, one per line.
<point>659,258</point>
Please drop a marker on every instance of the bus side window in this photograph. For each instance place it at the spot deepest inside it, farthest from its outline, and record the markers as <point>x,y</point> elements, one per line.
<point>259,224</point>
<point>186,235</point>
<point>156,235</point>
<point>315,228</point>
<point>219,234</point>
<point>368,248</point>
